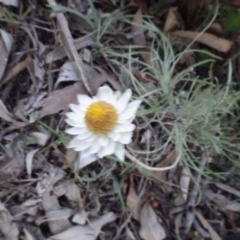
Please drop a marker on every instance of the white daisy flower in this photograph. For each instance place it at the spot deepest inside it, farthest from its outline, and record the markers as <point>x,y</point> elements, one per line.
<point>102,124</point>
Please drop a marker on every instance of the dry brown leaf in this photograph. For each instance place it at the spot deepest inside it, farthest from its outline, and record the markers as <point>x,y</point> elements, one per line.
<point>29,161</point>
<point>173,20</point>
<point>133,201</point>
<point>4,113</point>
<point>50,204</point>
<point>150,228</point>
<point>7,227</point>
<point>168,161</point>
<point>60,52</point>
<point>69,44</point>
<point>28,235</point>
<point>139,37</point>
<point>216,28</point>
<point>41,138</point>
<point>86,232</point>
<point>10,2</point>
<point>229,189</point>
<point>60,99</point>
<point>215,42</point>
<point>17,69</point>
<point>6,42</point>
<point>207,226</point>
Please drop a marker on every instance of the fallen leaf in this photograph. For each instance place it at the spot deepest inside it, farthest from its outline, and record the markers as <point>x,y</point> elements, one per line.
<point>4,113</point>
<point>6,42</point>
<point>86,232</point>
<point>138,36</point>
<point>133,201</point>
<point>8,228</point>
<point>41,138</point>
<point>60,52</point>
<point>56,222</point>
<point>29,161</point>
<point>10,2</point>
<point>206,225</point>
<point>69,45</point>
<point>17,69</point>
<point>229,189</point>
<point>150,225</point>
<point>173,20</point>
<point>28,235</point>
<point>60,99</point>
<point>167,161</point>
<point>184,182</point>
<point>215,42</point>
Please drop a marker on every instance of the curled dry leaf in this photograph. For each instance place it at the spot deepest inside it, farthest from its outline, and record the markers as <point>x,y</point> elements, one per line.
<point>215,42</point>
<point>6,42</point>
<point>150,228</point>
<point>29,161</point>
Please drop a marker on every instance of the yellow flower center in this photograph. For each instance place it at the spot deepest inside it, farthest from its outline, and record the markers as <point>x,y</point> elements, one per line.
<point>101,117</point>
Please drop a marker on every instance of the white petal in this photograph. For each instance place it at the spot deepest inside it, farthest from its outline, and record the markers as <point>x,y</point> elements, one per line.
<point>76,131</point>
<point>123,100</point>
<point>75,108</point>
<point>103,141</point>
<point>107,150</point>
<point>92,138</point>
<point>114,136</point>
<point>94,148</point>
<point>118,94</point>
<point>126,137</point>
<point>73,116</point>
<point>130,113</point>
<point>83,162</point>
<point>86,136</point>
<point>119,151</point>
<point>105,93</point>
<point>79,145</point>
<point>84,100</point>
<point>124,127</point>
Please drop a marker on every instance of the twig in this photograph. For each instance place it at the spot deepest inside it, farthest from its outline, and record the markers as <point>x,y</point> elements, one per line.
<point>69,42</point>
<point>133,159</point>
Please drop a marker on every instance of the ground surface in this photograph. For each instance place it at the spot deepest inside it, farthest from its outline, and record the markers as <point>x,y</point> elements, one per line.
<point>181,58</point>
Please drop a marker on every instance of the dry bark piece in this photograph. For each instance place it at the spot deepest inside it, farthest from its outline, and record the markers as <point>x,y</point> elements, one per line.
<point>215,42</point>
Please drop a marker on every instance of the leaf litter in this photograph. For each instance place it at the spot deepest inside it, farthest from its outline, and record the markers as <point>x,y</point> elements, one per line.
<point>48,57</point>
